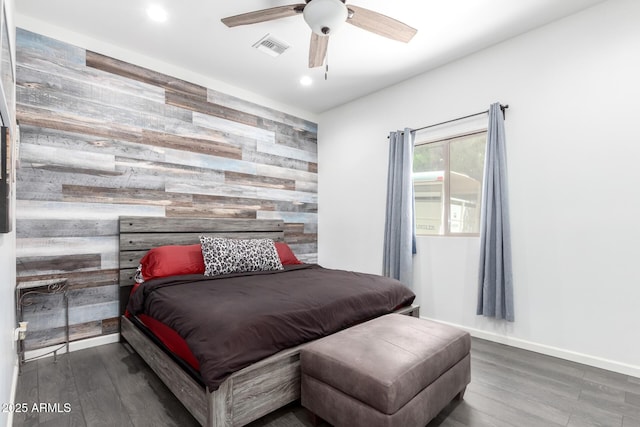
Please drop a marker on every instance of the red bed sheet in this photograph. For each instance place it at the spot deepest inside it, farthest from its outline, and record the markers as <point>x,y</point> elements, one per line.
<point>171,340</point>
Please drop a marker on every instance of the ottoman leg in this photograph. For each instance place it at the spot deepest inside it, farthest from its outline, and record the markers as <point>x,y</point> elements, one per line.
<point>460,395</point>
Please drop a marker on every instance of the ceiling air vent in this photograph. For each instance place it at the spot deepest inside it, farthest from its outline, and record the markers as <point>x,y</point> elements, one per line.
<point>271,45</point>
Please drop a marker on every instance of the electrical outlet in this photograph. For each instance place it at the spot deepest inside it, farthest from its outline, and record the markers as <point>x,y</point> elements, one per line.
<point>23,330</point>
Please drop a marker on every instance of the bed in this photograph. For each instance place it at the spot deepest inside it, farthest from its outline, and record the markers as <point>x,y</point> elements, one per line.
<point>257,387</point>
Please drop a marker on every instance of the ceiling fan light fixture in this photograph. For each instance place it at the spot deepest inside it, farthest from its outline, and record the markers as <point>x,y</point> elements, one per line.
<point>325,16</point>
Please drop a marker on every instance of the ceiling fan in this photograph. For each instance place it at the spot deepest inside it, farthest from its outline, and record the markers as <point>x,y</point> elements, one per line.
<point>324,17</point>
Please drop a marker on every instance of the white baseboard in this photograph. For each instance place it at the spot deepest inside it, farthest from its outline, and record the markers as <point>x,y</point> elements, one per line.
<point>598,362</point>
<point>585,359</point>
<point>73,346</point>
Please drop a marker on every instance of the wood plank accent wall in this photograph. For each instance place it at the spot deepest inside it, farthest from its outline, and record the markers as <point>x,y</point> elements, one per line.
<point>101,138</point>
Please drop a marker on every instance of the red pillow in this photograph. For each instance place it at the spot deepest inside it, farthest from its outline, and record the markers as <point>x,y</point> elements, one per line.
<point>166,261</point>
<point>286,254</point>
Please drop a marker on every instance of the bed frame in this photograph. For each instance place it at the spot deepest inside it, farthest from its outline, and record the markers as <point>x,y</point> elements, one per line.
<point>247,394</point>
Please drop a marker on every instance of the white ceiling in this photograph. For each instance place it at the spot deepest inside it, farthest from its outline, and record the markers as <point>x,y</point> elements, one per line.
<point>193,38</point>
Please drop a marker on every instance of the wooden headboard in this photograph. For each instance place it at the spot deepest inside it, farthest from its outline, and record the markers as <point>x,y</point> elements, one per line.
<point>138,234</point>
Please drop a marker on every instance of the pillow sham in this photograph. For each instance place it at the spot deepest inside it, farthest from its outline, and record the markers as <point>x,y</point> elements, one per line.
<point>171,260</point>
<point>287,257</point>
<point>225,256</point>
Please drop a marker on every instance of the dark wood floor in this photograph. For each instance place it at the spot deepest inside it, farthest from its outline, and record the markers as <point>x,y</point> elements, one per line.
<point>112,386</point>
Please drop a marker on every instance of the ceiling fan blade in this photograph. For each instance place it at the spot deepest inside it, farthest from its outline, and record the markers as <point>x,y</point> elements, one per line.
<point>317,50</point>
<point>263,15</point>
<point>381,24</point>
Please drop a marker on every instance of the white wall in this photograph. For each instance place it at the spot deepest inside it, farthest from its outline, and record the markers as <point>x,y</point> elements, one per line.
<point>574,166</point>
<point>8,357</point>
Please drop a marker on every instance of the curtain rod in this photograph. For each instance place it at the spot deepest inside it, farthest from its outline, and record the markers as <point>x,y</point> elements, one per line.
<point>502,107</point>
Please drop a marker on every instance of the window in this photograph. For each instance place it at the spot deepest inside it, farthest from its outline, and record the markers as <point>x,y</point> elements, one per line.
<point>447,182</point>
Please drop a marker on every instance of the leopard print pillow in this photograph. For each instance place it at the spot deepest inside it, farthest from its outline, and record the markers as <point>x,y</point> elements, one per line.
<point>224,256</point>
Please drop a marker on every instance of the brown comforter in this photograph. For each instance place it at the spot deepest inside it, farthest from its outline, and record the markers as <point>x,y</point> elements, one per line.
<point>232,321</point>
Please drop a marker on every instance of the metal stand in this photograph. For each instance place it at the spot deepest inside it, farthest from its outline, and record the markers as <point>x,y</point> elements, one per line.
<point>39,287</point>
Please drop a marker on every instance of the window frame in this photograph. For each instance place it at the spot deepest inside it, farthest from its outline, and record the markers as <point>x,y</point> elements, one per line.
<point>446,189</point>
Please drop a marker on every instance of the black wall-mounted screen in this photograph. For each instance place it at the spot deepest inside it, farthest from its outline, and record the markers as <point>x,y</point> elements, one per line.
<point>5,164</point>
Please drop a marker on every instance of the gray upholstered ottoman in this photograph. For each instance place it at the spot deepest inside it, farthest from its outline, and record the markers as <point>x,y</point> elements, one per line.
<point>391,371</point>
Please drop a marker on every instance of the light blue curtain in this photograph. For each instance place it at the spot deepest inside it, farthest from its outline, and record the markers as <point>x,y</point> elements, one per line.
<point>399,230</point>
<point>495,278</point>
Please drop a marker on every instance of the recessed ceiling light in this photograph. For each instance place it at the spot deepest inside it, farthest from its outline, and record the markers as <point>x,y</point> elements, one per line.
<point>157,13</point>
<point>306,81</point>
